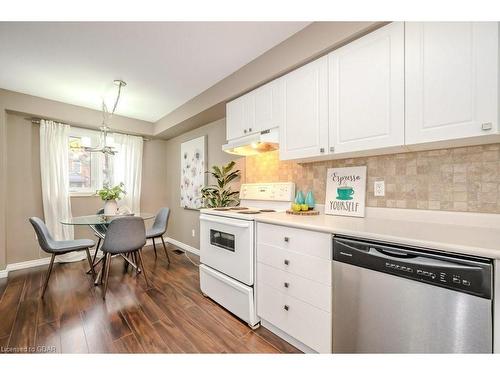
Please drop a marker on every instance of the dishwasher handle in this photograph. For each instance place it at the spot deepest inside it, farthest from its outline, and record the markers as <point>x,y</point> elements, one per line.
<point>423,260</point>
<point>389,253</point>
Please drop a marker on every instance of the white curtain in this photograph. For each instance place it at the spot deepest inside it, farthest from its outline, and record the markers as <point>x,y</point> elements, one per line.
<point>54,166</point>
<point>128,169</point>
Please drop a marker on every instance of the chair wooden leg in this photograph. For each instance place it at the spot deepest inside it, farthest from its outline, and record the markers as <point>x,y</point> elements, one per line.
<point>154,247</point>
<point>139,252</point>
<point>47,276</point>
<point>91,264</point>
<point>106,276</point>
<point>100,275</point>
<point>136,262</point>
<point>165,248</point>
<point>95,256</point>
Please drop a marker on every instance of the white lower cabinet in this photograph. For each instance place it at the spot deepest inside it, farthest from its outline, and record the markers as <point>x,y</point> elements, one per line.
<point>294,284</point>
<point>298,319</point>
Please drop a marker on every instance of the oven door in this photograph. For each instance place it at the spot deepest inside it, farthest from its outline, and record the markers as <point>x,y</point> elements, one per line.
<point>226,245</point>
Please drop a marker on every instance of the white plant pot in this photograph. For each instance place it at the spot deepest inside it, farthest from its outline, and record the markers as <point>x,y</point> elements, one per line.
<point>110,207</point>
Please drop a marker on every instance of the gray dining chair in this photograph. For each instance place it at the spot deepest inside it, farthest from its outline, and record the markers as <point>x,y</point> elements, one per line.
<point>124,235</point>
<point>159,228</point>
<point>51,246</point>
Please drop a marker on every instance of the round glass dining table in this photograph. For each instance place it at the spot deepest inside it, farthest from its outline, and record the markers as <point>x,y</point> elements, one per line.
<point>100,219</point>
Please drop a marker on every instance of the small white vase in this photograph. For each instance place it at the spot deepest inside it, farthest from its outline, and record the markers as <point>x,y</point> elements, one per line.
<point>110,207</point>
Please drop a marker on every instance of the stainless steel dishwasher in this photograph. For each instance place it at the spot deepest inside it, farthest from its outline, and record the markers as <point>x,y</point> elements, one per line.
<point>392,299</point>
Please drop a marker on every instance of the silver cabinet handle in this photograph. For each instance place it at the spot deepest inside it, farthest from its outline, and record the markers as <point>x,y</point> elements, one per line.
<point>245,131</point>
<point>287,262</point>
<point>332,149</point>
<point>322,150</point>
<point>249,129</point>
<point>287,239</point>
<point>286,285</point>
<point>286,307</point>
<point>486,126</point>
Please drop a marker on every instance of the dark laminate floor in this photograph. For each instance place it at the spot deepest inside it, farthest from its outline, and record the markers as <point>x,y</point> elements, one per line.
<point>169,317</point>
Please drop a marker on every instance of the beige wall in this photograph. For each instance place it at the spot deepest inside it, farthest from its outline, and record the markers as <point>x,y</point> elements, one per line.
<point>20,186</point>
<point>183,221</point>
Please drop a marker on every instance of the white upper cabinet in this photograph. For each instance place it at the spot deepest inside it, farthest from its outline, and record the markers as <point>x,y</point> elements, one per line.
<point>305,107</point>
<point>366,92</point>
<point>451,80</point>
<point>268,106</point>
<point>251,113</point>
<point>240,116</point>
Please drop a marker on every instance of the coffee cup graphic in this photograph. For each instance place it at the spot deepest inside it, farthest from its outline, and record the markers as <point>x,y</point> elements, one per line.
<point>345,193</point>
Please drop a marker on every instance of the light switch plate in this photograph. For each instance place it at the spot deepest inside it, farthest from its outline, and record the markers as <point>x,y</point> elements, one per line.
<point>379,188</point>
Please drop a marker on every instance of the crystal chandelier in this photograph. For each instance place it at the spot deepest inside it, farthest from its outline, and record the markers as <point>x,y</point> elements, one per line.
<point>103,146</point>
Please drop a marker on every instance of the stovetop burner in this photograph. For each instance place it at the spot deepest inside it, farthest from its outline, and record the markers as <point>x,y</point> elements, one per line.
<point>267,210</point>
<point>238,208</point>
<point>249,212</point>
<point>221,209</point>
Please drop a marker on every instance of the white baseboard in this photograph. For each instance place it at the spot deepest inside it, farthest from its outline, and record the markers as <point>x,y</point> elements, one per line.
<point>182,245</point>
<point>43,261</point>
<point>36,263</point>
<point>22,265</point>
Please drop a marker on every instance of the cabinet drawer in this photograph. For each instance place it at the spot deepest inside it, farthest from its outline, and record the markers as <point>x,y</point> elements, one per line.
<point>298,319</point>
<point>312,268</point>
<point>300,240</point>
<point>311,292</point>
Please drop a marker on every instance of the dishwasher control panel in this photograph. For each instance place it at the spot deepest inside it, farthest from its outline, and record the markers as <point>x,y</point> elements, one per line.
<point>466,274</point>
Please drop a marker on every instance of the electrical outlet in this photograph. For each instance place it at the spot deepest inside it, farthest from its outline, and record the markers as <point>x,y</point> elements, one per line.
<point>379,188</point>
<point>193,232</point>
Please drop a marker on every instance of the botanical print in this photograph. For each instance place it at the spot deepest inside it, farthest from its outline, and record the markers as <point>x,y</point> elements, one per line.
<point>192,172</point>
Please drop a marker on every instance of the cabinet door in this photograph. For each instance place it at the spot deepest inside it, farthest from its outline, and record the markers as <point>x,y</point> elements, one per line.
<point>268,107</point>
<point>304,132</point>
<point>240,116</point>
<point>451,80</point>
<point>366,92</point>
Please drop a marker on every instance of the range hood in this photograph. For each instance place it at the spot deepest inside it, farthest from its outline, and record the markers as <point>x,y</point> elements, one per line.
<point>267,140</point>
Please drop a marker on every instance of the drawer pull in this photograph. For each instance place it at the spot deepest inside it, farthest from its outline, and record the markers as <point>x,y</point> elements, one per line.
<point>286,307</point>
<point>286,285</point>
<point>287,239</point>
<point>287,262</point>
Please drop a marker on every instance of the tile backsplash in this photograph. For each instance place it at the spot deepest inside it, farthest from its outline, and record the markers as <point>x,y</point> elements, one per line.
<point>458,179</point>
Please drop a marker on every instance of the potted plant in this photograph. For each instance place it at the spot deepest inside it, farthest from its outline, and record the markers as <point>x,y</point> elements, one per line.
<point>220,195</point>
<point>110,195</point>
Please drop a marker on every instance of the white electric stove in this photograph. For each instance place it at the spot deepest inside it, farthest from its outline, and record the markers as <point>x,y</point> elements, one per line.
<point>227,246</point>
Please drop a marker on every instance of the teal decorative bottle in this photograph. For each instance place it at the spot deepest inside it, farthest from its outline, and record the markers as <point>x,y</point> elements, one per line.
<point>299,197</point>
<point>310,200</point>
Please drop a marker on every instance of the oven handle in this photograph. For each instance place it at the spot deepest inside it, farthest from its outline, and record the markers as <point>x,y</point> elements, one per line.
<point>225,222</point>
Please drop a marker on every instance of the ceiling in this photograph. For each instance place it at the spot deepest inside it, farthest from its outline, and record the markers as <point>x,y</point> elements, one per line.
<point>165,64</point>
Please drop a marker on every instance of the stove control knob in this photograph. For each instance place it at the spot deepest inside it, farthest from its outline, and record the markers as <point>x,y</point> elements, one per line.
<point>287,262</point>
<point>287,239</point>
<point>286,285</point>
<point>286,307</point>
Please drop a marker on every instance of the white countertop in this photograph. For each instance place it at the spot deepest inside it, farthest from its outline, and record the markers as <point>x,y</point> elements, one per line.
<point>451,232</point>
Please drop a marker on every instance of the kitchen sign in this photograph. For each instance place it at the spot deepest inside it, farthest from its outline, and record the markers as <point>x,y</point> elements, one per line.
<point>346,191</point>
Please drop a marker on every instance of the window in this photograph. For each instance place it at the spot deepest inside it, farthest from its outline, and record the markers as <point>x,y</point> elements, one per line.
<point>80,167</point>
<point>85,168</point>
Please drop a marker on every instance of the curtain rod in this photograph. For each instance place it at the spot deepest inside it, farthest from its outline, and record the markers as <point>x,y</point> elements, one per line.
<point>36,120</point>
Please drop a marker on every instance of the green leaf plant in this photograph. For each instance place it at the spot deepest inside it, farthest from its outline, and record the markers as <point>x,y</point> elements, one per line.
<point>220,194</point>
<point>108,193</point>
